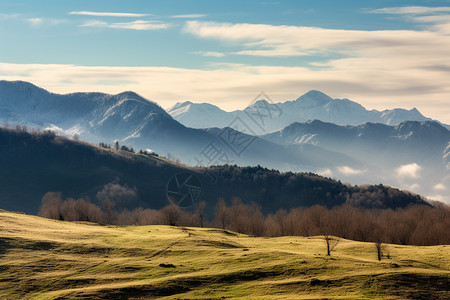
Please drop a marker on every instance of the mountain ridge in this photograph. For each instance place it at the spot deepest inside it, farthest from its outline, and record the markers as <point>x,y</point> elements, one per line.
<point>310,106</point>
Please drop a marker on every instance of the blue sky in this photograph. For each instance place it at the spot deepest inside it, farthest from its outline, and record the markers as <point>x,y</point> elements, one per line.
<point>382,54</point>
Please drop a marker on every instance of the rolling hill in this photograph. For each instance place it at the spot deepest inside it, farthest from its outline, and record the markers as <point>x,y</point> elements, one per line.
<point>49,259</point>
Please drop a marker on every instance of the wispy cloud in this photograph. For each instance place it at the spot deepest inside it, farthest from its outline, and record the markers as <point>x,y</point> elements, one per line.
<point>271,40</point>
<point>106,14</point>
<point>438,17</point>
<point>4,16</point>
<point>189,16</point>
<point>44,21</point>
<point>411,10</point>
<point>134,25</point>
<point>35,21</point>
<point>211,53</point>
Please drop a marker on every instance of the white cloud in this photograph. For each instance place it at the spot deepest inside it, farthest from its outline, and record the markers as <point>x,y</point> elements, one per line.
<point>270,40</point>
<point>440,187</point>
<point>35,21</point>
<point>189,16</point>
<point>211,53</point>
<point>44,21</point>
<point>411,10</point>
<point>409,171</point>
<point>135,25</point>
<point>346,170</point>
<point>325,172</point>
<point>438,17</point>
<point>413,187</point>
<point>106,14</point>
<point>4,16</point>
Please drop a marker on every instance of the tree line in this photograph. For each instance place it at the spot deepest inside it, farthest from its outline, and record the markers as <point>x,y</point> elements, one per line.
<point>414,225</point>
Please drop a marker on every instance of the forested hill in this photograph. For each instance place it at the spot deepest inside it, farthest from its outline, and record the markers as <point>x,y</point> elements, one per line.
<point>32,164</point>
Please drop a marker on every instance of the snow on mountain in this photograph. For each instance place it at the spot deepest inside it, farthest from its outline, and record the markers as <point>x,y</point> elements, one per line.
<point>196,115</point>
<point>313,105</point>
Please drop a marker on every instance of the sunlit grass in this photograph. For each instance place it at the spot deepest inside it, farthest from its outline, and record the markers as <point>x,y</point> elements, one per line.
<point>48,259</point>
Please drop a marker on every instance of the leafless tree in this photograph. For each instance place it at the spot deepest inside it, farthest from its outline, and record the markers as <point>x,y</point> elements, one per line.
<point>331,242</point>
<point>171,215</point>
<point>199,215</point>
<point>222,214</point>
<point>50,206</point>
<point>117,193</point>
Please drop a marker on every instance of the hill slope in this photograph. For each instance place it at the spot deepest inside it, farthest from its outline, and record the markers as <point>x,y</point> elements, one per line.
<point>49,259</point>
<point>33,164</point>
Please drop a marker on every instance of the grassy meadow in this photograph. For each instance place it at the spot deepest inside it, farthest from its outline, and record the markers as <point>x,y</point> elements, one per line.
<point>49,259</point>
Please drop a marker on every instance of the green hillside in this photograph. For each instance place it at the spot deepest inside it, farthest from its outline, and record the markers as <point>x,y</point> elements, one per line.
<point>48,259</point>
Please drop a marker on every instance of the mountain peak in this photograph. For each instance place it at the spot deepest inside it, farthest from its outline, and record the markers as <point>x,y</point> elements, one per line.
<point>312,99</point>
<point>316,93</point>
<point>129,94</point>
<point>260,102</point>
<point>22,85</point>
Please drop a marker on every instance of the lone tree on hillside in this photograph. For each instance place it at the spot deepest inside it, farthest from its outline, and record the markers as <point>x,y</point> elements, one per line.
<point>331,242</point>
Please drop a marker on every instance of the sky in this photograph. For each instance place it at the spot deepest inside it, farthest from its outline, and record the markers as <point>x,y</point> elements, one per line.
<point>382,54</point>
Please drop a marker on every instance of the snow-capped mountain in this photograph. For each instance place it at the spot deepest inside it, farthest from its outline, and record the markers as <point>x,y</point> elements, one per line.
<point>313,105</point>
<point>142,124</point>
<point>198,114</point>
<point>93,116</point>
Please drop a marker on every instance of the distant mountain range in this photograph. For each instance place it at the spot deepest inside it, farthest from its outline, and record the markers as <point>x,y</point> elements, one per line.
<point>412,153</point>
<point>313,105</point>
<point>142,124</point>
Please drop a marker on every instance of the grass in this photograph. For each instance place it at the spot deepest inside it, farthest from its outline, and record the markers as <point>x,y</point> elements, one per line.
<point>48,259</point>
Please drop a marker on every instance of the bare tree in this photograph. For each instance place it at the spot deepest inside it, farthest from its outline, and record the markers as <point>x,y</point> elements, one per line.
<point>110,213</point>
<point>379,247</point>
<point>238,216</point>
<point>255,220</point>
<point>280,218</point>
<point>200,213</point>
<point>171,215</point>
<point>51,205</point>
<point>331,242</point>
<point>222,214</point>
<point>117,193</point>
